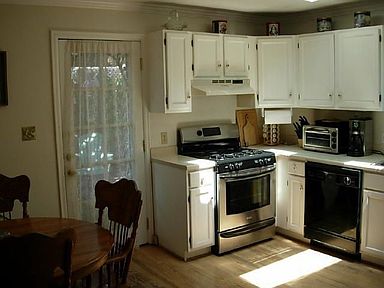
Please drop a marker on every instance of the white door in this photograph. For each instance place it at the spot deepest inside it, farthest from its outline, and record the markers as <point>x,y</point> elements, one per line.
<point>276,71</point>
<point>236,56</point>
<point>316,70</point>
<point>102,125</point>
<point>358,68</point>
<point>207,55</point>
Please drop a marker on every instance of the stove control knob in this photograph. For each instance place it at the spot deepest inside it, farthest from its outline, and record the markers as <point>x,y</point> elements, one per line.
<point>238,165</point>
<point>261,162</point>
<point>231,167</point>
<point>199,132</point>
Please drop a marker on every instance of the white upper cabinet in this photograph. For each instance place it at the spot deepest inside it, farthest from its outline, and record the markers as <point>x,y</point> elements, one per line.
<point>276,71</point>
<point>169,71</point>
<point>316,71</point>
<point>217,56</point>
<point>358,66</point>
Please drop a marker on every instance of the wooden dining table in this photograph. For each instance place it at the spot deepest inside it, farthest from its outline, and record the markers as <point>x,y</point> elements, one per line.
<point>92,243</point>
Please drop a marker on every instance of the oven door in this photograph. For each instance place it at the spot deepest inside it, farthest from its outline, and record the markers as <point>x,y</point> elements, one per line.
<point>245,197</point>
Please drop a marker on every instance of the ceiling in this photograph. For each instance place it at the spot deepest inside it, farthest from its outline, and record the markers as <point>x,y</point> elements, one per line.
<point>251,6</point>
<point>255,6</point>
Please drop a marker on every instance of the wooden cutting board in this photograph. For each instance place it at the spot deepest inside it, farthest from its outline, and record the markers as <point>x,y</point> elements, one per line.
<point>250,127</point>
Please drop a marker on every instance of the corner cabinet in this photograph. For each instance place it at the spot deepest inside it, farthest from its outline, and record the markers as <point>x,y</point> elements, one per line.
<point>276,59</point>
<point>183,209</point>
<point>358,68</point>
<point>218,56</point>
<point>372,233</point>
<point>168,70</point>
<point>316,70</point>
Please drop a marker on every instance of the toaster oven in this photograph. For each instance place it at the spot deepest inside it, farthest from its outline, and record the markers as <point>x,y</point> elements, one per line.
<point>325,139</point>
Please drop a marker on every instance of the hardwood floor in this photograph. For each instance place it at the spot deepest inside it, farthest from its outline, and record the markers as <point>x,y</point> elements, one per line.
<point>275,263</point>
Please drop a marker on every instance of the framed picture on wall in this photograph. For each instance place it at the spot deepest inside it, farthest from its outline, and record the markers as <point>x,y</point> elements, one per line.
<point>273,29</point>
<point>3,79</point>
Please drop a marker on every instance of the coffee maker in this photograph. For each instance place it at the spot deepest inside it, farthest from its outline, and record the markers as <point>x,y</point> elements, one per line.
<point>360,137</point>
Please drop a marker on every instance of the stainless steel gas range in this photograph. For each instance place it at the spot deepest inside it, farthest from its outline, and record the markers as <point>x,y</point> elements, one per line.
<point>245,184</point>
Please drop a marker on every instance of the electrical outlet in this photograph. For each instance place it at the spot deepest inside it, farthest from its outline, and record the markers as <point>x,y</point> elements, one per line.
<point>28,133</point>
<point>164,138</point>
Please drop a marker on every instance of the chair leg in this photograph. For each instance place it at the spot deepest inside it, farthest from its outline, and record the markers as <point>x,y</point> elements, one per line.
<point>109,274</point>
<point>127,263</point>
<point>101,277</point>
<point>88,281</point>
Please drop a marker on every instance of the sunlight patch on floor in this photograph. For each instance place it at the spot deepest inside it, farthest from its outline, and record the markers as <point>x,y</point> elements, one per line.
<point>291,268</point>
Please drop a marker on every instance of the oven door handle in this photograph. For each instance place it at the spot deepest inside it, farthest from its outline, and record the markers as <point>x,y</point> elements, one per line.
<point>245,176</point>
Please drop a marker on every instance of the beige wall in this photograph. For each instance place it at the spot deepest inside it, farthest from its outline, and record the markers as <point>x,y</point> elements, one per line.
<point>25,35</point>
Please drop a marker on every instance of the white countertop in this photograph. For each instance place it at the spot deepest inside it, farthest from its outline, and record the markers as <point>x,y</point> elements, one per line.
<point>366,163</point>
<point>168,155</point>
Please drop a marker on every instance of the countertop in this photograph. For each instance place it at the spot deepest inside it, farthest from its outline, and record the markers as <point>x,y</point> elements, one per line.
<point>169,156</point>
<point>366,163</point>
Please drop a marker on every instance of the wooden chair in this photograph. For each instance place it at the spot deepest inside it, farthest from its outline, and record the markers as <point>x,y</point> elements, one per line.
<point>11,189</point>
<point>123,201</point>
<point>33,259</point>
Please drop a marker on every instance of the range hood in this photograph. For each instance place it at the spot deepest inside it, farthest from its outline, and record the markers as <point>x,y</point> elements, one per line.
<point>222,87</point>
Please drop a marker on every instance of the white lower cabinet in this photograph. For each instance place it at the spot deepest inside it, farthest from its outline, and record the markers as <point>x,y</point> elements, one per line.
<point>183,209</point>
<point>290,196</point>
<point>372,232</point>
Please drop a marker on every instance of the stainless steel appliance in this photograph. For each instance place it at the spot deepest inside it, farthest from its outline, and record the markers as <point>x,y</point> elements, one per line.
<point>245,184</point>
<point>326,136</point>
<point>333,206</point>
<point>360,137</point>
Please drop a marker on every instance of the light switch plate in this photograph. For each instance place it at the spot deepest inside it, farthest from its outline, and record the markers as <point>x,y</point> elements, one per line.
<point>28,133</point>
<point>164,138</point>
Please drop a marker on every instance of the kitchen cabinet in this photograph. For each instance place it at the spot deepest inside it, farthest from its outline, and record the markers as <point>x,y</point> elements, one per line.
<point>276,71</point>
<point>290,196</point>
<point>316,70</point>
<point>183,209</point>
<point>168,68</point>
<point>358,68</point>
<point>217,56</point>
<point>372,234</point>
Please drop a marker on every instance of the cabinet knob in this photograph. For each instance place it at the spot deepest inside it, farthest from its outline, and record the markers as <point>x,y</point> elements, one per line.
<point>219,65</point>
<point>189,97</point>
<point>339,95</point>
<point>330,95</point>
<point>227,65</point>
<point>290,94</point>
<point>71,172</point>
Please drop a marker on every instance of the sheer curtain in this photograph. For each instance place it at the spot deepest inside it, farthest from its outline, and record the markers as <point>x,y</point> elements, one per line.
<point>98,122</point>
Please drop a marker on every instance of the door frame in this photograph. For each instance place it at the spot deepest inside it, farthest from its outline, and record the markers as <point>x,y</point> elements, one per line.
<point>56,36</point>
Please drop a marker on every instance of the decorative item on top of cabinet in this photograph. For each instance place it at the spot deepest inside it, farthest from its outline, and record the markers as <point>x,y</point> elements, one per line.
<point>174,21</point>
<point>362,18</point>
<point>168,64</point>
<point>250,125</point>
<point>219,26</point>
<point>324,24</point>
<point>273,28</point>
<point>217,55</point>
<point>276,66</point>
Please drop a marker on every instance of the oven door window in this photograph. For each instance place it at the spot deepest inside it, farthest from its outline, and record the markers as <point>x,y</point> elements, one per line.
<point>246,195</point>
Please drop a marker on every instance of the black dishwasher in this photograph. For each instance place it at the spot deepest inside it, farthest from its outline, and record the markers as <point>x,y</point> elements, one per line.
<point>332,206</point>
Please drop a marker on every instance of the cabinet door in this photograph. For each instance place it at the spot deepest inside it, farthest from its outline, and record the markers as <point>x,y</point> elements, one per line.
<point>179,71</point>
<point>235,56</point>
<point>316,70</point>
<point>372,241</point>
<point>207,55</point>
<point>276,72</point>
<point>358,68</point>
<point>296,188</point>
<point>202,221</point>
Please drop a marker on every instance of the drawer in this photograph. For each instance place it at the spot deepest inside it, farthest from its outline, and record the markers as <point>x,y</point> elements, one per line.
<point>201,178</point>
<point>374,181</point>
<point>296,168</point>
